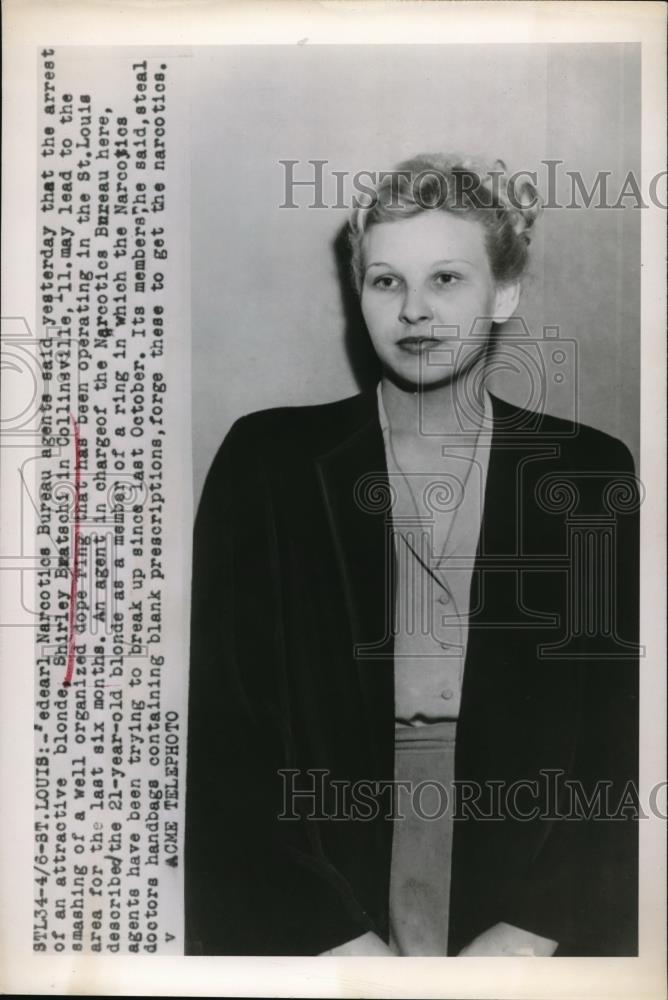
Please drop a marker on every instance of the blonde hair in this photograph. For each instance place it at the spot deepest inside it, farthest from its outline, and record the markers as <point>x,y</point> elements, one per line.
<point>506,206</point>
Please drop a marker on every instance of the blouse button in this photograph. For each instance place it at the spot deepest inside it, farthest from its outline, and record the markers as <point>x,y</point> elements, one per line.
<point>443,599</point>
<point>446,694</point>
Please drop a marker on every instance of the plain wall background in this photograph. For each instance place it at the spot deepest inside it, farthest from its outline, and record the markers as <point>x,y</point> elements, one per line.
<point>271,323</point>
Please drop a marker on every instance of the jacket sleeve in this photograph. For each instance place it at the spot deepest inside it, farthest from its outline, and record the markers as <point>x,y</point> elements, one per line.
<point>581,887</point>
<point>254,883</point>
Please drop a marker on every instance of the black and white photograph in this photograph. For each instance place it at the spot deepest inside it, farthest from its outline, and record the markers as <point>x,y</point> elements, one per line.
<point>414,659</point>
<point>332,483</point>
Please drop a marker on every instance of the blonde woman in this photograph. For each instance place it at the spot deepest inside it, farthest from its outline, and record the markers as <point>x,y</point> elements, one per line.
<point>393,693</point>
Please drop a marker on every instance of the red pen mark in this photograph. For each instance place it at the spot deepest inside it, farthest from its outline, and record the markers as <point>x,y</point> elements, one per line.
<point>75,555</point>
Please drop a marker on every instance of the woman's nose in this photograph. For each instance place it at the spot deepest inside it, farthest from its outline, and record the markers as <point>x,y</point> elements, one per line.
<point>415,308</point>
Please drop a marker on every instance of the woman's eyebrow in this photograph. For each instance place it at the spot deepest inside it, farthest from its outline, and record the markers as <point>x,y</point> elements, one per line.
<point>455,260</point>
<point>436,263</point>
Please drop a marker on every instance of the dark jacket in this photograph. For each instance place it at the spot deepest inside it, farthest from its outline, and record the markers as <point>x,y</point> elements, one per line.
<point>291,668</point>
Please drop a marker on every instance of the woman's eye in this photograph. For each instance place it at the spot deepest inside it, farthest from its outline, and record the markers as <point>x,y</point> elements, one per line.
<point>385,281</point>
<point>445,278</point>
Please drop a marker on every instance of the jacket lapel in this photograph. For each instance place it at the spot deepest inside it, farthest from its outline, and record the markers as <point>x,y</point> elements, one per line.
<point>515,705</point>
<point>355,486</point>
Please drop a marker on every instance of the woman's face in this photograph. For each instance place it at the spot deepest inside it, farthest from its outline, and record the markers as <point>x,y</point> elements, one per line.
<point>427,289</point>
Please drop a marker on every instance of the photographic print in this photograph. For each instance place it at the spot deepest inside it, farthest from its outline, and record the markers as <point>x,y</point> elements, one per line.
<point>332,452</point>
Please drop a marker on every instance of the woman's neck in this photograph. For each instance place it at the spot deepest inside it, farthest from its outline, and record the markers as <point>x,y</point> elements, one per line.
<point>450,408</point>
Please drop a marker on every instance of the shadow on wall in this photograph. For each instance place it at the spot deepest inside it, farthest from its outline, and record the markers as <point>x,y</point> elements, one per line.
<point>361,355</point>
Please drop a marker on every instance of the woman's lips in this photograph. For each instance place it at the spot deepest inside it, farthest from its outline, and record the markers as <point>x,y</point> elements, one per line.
<point>417,345</point>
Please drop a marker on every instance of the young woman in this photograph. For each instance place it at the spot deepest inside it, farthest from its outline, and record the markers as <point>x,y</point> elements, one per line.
<point>414,633</point>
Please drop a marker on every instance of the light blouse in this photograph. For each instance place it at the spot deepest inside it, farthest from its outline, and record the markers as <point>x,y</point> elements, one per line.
<point>436,519</point>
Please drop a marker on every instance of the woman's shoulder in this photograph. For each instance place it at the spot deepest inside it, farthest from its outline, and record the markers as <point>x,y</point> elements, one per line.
<point>578,444</point>
<point>304,414</point>
<point>285,435</point>
<point>313,426</point>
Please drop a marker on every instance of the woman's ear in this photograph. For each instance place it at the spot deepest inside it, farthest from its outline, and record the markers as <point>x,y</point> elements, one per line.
<point>506,299</point>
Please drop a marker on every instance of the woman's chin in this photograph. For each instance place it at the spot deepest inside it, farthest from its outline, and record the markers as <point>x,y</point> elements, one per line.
<point>413,377</point>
